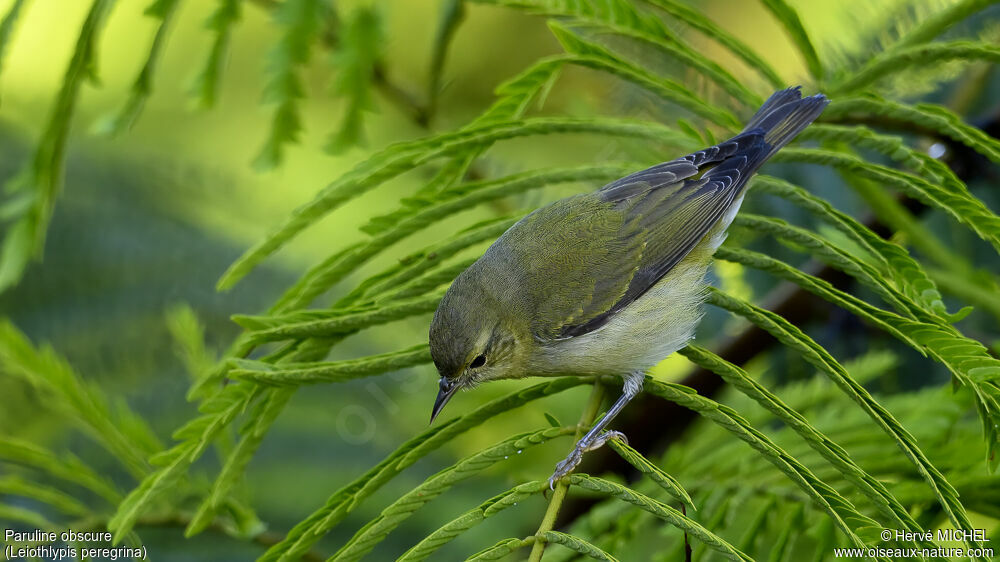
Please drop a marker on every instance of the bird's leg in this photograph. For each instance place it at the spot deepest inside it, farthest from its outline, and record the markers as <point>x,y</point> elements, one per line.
<point>595,438</point>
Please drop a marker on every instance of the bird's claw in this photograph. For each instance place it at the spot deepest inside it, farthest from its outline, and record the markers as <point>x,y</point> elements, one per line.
<point>603,438</point>
<point>571,461</point>
<point>566,466</point>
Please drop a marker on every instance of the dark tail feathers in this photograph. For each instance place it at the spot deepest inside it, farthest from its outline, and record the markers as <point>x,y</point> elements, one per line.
<point>784,115</point>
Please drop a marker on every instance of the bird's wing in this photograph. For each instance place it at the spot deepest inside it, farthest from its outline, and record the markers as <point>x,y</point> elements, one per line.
<point>565,263</point>
<point>612,246</point>
<point>589,256</point>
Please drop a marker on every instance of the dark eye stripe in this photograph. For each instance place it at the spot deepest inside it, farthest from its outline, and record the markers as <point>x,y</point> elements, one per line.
<point>479,361</point>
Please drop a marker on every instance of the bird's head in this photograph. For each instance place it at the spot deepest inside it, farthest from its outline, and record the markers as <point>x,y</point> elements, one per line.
<point>471,342</point>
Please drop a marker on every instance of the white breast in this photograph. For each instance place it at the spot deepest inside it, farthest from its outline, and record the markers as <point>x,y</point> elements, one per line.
<point>645,332</point>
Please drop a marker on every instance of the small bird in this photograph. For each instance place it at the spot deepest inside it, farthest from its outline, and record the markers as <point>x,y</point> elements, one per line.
<point>608,282</point>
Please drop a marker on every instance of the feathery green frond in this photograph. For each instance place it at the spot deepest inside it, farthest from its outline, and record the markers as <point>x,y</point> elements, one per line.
<point>501,549</point>
<point>401,157</point>
<point>319,323</point>
<point>933,26</point>
<point>218,412</point>
<point>655,473</point>
<point>619,17</point>
<point>895,261</point>
<point>8,26</point>
<point>263,415</point>
<point>64,467</point>
<point>832,255</point>
<point>933,119</point>
<point>445,534</point>
<point>42,178</point>
<point>661,511</point>
<point>855,525</point>
<point>970,362</point>
<point>345,500</point>
<point>189,341</point>
<point>376,530</point>
<point>57,499</point>
<point>579,545</point>
<point>595,56</point>
<point>358,50</point>
<point>205,87</point>
<point>695,19</point>
<point>69,394</point>
<point>789,19</point>
<point>301,22</point>
<point>795,339</point>
<point>418,263</point>
<point>28,517</point>
<point>142,87</point>
<point>896,61</point>
<point>452,15</point>
<point>295,374</point>
<point>961,205</point>
<point>870,486</point>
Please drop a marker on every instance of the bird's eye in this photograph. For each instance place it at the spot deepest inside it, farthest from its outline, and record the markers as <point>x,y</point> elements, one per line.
<point>479,361</point>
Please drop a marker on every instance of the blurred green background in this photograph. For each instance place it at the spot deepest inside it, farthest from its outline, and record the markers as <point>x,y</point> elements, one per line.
<point>151,218</point>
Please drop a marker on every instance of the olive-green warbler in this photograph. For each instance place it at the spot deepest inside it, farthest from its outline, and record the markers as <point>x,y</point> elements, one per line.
<point>609,282</point>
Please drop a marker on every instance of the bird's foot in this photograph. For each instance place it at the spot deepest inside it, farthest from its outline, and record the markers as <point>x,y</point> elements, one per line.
<point>567,465</point>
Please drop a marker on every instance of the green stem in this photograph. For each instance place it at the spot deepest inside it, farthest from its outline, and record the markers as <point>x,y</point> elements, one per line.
<point>549,519</point>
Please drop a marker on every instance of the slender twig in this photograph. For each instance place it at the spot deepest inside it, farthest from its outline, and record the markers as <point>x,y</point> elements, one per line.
<point>562,487</point>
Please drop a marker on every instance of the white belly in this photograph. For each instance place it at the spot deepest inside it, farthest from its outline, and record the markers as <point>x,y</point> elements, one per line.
<point>641,335</point>
<point>660,322</point>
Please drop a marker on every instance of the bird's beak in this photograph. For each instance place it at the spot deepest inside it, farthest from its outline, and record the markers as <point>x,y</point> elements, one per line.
<point>447,390</point>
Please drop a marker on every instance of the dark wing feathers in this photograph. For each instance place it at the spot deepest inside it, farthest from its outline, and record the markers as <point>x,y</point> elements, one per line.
<point>612,246</point>
<point>672,218</point>
<point>669,173</point>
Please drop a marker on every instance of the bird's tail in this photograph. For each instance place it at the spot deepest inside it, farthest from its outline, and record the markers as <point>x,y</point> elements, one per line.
<point>784,115</point>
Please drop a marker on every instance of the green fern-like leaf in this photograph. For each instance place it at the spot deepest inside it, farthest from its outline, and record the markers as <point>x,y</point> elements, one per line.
<point>142,87</point>
<point>789,18</point>
<point>442,536</point>
<point>205,86</point>
<point>8,26</point>
<point>592,55</point>
<point>962,206</point>
<point>194,438</point>
<point>306,533</point>
<point>301,21</point>
<point>69,394</point>
<point>335,371</point>
<point>927,117</point>
<point>64,467</point>
<point>820,358</point>
<point>836,455</point>
<point>43,176</point>
<point>841,511</point>
<point>405,156</point>
<point>377,529</point>
<point>359,47</point>
<point>691,17</point>
<point>895,61</point>
<point>643,465</point>
<point>660,510</point>
<point>579,545</point>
